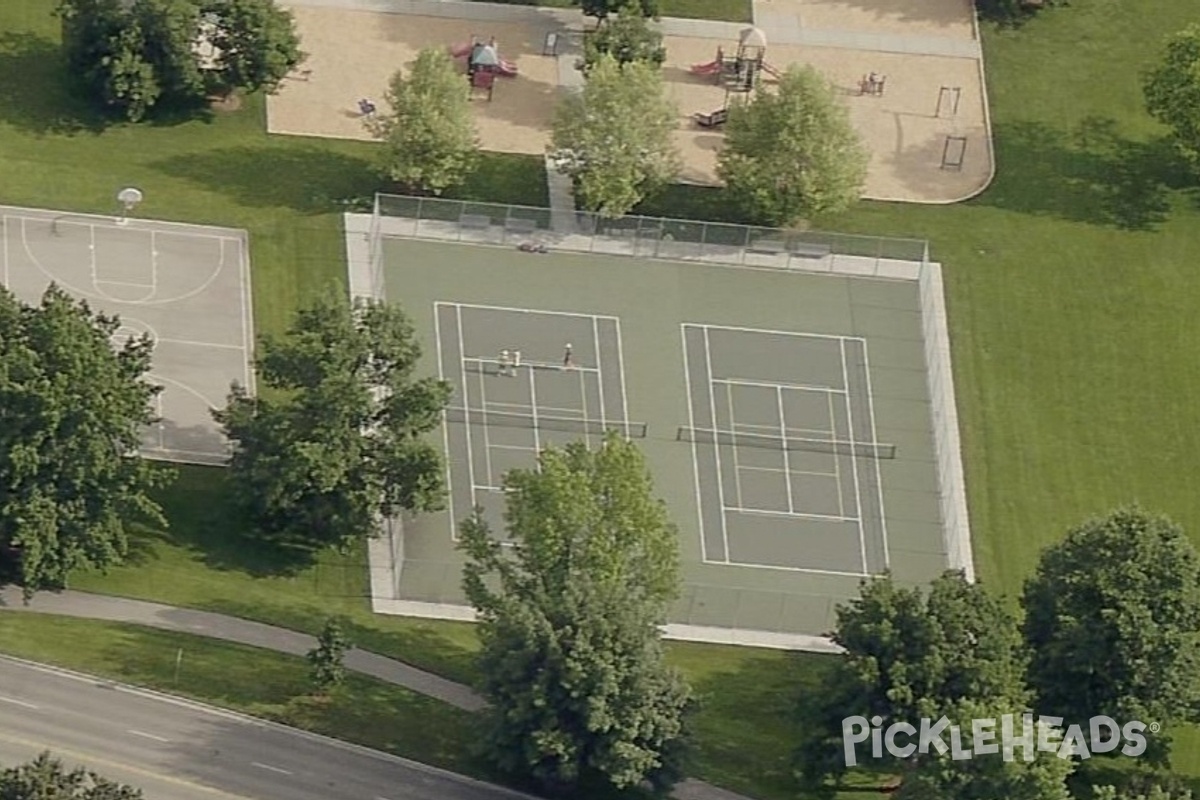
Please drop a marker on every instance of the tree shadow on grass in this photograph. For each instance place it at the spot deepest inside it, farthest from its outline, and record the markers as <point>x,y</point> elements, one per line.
<point>1092,174</point>
<point>280,174</point>
<point>35,94</point>
<point>204,519</point>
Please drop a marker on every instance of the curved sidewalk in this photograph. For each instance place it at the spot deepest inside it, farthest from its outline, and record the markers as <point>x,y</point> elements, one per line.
<point>282,640</point>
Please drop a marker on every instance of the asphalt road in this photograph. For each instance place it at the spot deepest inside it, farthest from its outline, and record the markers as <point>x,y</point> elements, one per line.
<point>178,750</point>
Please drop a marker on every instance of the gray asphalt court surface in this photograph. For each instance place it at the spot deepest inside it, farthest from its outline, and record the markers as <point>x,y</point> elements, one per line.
<point>187,286</point>
<point>785,416</point>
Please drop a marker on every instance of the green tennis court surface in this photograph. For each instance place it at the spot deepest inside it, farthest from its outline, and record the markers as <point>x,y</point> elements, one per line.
<point>786,416</point>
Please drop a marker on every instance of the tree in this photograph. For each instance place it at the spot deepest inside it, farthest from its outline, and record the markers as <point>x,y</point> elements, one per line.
<point>615,137</point>
<point>1172,90</point>
<point>255,42</point>
<point>911,656</point>
<point>792,153</point>
<point>133,55</point>
<point>340,437</point>
<point>430,143</point>
<point>1111,619</point>
<point>327,659</point>
<point>569,623</point>
<point>627,37</point>
<point>45,777</point>
<point>1013,12</point>
<point>72,412</point>
<point>602,9</point>
<point>105,47</point>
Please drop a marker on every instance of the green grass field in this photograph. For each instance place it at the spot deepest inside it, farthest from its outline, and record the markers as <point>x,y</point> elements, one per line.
<point>1071,283</point>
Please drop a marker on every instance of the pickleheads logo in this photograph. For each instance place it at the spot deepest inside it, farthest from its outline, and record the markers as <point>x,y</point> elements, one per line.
<point>994,737</point>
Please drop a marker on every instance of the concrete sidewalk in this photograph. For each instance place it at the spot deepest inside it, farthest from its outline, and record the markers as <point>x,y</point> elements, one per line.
<point>282,640</point>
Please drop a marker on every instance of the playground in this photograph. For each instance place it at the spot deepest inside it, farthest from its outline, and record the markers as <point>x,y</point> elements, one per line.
<point>923,120</point>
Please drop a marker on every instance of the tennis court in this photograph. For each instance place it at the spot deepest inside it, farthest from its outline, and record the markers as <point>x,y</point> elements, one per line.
<point>782,428</point>
<point>786,415</point>
<point>524,379</point>
<point>187,286</point>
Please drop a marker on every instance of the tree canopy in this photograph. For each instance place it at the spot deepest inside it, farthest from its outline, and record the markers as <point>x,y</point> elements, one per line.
<point>1112,618</point>
<point>1172,90</point>
<point>339,437</point>
<point>792,153</point>
<point>605,8</point>
<point>955,652</point>
<point>569,623</point>
<point>615,137</point>
<point>327,667</point>
<point>72,412</point>
<point>134,55</point>
<point>626,37</point>
<point>429,138</point>
<point>45,777</point>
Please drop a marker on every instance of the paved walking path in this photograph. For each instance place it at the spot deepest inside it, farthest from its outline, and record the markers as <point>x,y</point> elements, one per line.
<point>282,640</point>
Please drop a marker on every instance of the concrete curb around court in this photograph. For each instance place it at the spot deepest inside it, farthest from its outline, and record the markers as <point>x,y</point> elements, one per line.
<point>281,640</point>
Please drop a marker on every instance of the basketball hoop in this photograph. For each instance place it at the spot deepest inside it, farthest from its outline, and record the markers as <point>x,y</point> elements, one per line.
<point>128,198</point>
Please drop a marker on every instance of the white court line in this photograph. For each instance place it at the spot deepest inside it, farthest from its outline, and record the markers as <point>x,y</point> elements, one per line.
<point>194,343</point>
<point>862,540</point>
<point>126,283</point>
<point>752,428</point>
<point>531,365</point>
<point>621,373</point>
<point>599,374</point>
<point>789,472</point>
<point>522,448</point>
<point>587,437</point>
<point>150,736</point>
<point>887,561</point>
<point>762,512</point>
<point>799,387</point>
<point>537,436</point>
<point>771,332</point>
<point>437,343</point>
<point>270,768</point>
<point>533,311</point>
<point>462,367</point>
<point>787,459</point>
<point>487,438</point>
<point>525,407</point>
<point>716,446</point>
<point>687,381</point>
<point>15,702</point>
<point>492,489</point>
<point>813,570</point>
<point>135,223</point>
<point>837,462</point>
<point>737,473</point>
<point>153,265</point>
<point>247,315</point>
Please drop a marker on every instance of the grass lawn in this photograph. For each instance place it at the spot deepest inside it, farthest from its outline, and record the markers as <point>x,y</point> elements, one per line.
<point>258,682</point>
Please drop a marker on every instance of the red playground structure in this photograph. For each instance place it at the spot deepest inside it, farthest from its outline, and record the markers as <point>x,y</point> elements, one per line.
<point>483,57</point>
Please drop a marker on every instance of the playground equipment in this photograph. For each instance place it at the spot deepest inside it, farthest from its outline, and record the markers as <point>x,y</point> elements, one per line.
<point>483,57</point>
<point>740,73</point>
<point>714,120</point>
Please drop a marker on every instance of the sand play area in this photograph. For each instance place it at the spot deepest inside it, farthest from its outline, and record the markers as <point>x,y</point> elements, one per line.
<point>920,152</point>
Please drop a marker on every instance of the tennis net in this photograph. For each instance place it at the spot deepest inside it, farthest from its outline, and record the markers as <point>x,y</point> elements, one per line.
<point>798,443</point>
<point>547,422</point>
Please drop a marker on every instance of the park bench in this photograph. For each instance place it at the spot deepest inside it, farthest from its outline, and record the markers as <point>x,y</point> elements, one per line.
<point>809,249</point>
<point>475,222</point>
<point>521,225</point>
<point>767,247</point>
<point>713,120</point>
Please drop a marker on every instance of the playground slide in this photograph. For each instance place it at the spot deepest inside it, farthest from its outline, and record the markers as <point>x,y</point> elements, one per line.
<point>710,68</point>
<point>772,71</point>
<point>508,69</point>
<point>460,50</point>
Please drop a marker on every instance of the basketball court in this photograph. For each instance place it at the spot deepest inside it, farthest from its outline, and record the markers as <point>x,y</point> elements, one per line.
<point>187,286</point>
